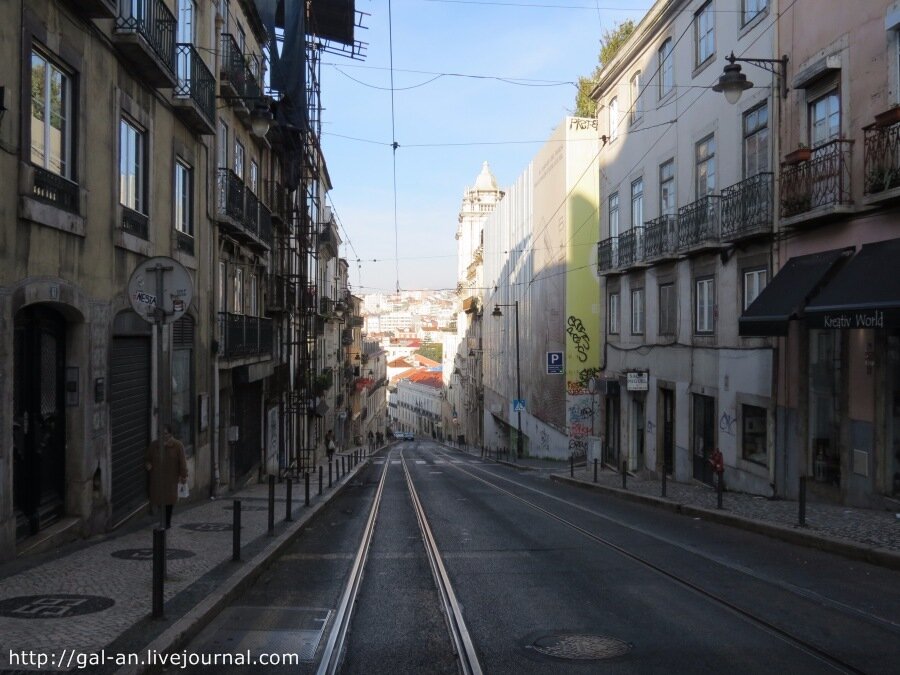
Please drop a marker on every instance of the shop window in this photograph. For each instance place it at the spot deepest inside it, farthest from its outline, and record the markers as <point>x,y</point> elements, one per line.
<point>754,439</point>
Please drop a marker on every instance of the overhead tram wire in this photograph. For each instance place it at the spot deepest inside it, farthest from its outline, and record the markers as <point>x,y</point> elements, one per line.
<point>394,146</point>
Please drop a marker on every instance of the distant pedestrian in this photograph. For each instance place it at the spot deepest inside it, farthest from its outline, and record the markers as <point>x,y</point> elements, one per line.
<point>379,439</point>
<point>371,438</point>
<point>329,444</point>
<point>165,476</point>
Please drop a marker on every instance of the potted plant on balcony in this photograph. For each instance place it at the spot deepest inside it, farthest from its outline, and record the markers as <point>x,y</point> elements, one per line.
<point>801,154</point>
<point>882,178</point>
<point>888,117</point>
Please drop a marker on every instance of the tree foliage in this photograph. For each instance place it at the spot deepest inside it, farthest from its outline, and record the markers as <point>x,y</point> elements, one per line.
<point>610,44</point>
<point>431,350</point>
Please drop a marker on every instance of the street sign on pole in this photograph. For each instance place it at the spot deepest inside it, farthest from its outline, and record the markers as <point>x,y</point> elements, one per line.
<point>160,283</point>
<point>518,405</point>
<point>555,363</point>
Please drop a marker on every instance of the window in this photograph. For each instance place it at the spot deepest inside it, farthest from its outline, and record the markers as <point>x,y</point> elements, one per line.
<point>131,166</point>
<point>824,119</point>
<point>637,202</point>
<point>613,119</point>
<point>183,198</point>
<point>667,309</point>
<point>751,10</point>
<point>254,177</point>
<point>183,380</point>
<point>51,116</point>
<point>756,141</point>
<point>239,159</point>
<point>253,309</point>
<point>754,283</point>
<point>613,313</point>
<point>238,301</point>
<point>704,34</point>
<point>705,303</point>
<point>614,215</point>
<point>666,68</point>
<point>706,166</point>
<point>223,298</point>
<point>637,311</point>
<point>184,34</point>
<point>637,107</point>
<point>222,142</point>
<point>754,440</point>
<point>667,188</point>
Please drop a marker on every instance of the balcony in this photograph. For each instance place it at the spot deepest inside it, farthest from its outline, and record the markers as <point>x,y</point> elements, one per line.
<point>747,208</point>
<point>194,96</point>
<point>145,34</point>
<point>281,294</point>
<point>244,336</point>
<point>326,306</point>
<point>660,238</point>
<point>698,225</point>
<point>327,241</point>
<point>882,164</point>
<point>230,199</point>
<point>631,248</point>
<point>819,188</point>
<point>251,212</point>
<point>51,188</point>
<point>265,226</point>
<point>252,92</point>
<point>233,71</point>
<point>608,255</point>
<point>280,203</point>
<point>98,9</point>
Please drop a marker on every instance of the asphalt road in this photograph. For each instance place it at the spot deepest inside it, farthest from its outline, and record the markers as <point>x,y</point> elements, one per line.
<point>551,578</point>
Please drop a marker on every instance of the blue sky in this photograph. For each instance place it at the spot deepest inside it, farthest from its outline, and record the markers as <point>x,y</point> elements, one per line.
<point>531,44</point>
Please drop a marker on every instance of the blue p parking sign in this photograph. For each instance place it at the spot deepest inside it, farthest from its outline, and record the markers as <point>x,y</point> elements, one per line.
<point>554,363</point>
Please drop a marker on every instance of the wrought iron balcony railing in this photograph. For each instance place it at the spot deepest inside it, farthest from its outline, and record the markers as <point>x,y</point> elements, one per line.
<point>660,238</point>
<point>53,189</point>
<point>823,180</point>
<point>608,254</point>
<point>882,158</point>
<point>631,246</point>
<point>265,226</point>
<point>698,223</point>
<point>195,80</point>
<point>245,335</point>
<point>251,211</point>
<point>230,195</point>
<point>234,68</point>
<point>153,21</point>
<point>747,207</point>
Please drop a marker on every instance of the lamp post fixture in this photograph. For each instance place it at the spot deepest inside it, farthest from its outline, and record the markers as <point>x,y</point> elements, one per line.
<point>519,439</point>
<point>733,82</point>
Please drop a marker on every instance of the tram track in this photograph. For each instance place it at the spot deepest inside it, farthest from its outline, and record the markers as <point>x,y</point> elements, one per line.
<point>826,657</point>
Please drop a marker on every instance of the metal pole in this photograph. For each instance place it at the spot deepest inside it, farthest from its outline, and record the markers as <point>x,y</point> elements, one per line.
<point>519,439</point>
<point>719,490</point>
<point>306,476</point>
<point>802,501</point>
<point>595,469</point>
<point>624,474</point>
<point>288,497</point>
<point>663,481</point>
<point>236,531</point>
<point>159,570</point>
<point>271,505</point>
<point>572,464</point>
<point>329,473</point>
<point>320,480</point>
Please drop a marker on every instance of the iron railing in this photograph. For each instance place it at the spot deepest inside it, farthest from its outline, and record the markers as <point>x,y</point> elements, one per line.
<point>882,158</point>
<point>660,237</point>
<point>251,86</point>
<point>251,212</point>
<point>153,21</point>
<point>325,306</point>
<point>823,180</point>
<point>194,80</point>
<point>607,254</point>
<point>265,226</point>
<point>135,223</point>
<point>245,335</point>
<point>698,223</point>
<point>230,194</point>
<point>53,189</point>
<point>631,246</point>
<point>233,67</point>
<point>747,207</point>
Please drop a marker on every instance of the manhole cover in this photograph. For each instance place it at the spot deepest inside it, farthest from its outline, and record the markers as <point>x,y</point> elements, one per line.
<point>208,527</point>
<point>147,554</point>
<point>55,606</point>
<point>579,646</point>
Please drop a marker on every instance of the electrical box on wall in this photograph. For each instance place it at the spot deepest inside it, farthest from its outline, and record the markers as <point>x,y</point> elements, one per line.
<point>71,386</point>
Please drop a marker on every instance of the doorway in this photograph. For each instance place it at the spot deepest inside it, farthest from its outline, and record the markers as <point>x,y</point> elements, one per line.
<point>668,430</point>
<point>704,436</point>
<point>638,422</point>
<point>39,421</point>
<point>611,447</point>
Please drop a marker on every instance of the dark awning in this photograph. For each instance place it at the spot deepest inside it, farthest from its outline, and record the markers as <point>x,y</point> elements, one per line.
<point>865,293</point>
<point>786,295</point>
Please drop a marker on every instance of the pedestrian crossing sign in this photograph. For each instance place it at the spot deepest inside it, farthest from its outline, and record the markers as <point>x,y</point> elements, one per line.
<point>519,405</point>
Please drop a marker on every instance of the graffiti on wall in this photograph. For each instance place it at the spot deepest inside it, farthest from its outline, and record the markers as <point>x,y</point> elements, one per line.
<point>728,423</point>
<point>578,333</point>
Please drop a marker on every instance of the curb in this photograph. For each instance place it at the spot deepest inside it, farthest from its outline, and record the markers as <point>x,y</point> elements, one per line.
<point>874,555</point>
<point>173,638</point>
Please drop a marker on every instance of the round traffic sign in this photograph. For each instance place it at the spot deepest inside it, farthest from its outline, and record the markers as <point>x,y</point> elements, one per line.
<point>144,289</point>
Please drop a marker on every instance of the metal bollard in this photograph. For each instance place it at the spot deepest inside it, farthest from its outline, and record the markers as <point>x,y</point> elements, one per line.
<point>624,474</point>
<point>595,469</point>
<point>289,493</point>
<point>159,570</point>
<point>306,476</point>
<point>801,503</point>
<point>663,481</point>
<point>572,465</point>
<point>320,480</point>
<point>271,505</point>
<point>236,531</point>
<point>719,490</point>
<point>329,473</point>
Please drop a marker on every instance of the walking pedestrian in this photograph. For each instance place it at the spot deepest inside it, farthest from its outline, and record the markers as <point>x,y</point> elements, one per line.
<point>329,444</point>
<point>371,438</point>
<point>165,476</point>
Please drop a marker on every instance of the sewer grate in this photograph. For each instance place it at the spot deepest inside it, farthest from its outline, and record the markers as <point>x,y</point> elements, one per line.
<point>579,646</point>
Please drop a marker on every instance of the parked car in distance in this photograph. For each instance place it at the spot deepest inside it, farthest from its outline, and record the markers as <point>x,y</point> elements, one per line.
<point>410,436</point>
<point>399,435</point>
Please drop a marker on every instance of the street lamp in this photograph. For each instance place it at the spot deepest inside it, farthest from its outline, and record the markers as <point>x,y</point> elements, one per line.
<point>733,82</point>
<point>497,312</point>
